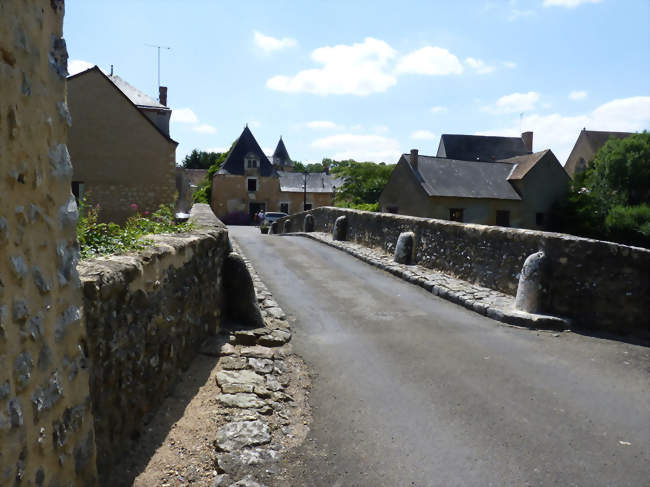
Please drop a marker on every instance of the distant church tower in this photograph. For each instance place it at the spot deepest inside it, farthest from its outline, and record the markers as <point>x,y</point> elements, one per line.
<point>281,159</point>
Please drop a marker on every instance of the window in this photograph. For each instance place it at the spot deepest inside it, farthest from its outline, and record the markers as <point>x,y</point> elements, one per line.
<point>539,219</point>
<point>503,218</point>
<point>456,214</point>
<point>284,208</point>
<point>251,184</point>
<point>392,209</point>
<point>78,190</point>
<point>307,206</point>
<point>251,163</point>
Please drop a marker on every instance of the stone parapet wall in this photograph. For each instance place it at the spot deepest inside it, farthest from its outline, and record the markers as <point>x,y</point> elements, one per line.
<point>146,316</point>
<point>46,427</point>
<point>599,285</point>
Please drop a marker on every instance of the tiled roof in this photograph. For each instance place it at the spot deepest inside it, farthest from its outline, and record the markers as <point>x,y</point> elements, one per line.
<point>441,176</point>
<point>523,164</point>
<point>317,182</point>
<point>480,147</point>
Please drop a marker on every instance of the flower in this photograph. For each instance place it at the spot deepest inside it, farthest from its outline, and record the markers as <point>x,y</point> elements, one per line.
<point>134,206</point>
<point>146,213</point>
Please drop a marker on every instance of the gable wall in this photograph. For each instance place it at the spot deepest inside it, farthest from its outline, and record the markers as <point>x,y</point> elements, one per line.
<point>118,155</point>
<point>582,149</point>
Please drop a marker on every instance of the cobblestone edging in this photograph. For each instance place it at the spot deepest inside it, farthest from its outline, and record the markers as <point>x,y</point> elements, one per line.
<point>488,302</point>
<point>262,403</point>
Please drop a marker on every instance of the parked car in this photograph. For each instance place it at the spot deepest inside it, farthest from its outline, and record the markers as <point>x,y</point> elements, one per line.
<point>271,216</point>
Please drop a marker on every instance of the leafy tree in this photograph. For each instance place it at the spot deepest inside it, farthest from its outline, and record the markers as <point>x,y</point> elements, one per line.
<point>200,159</point>
<point>300,167</point>
<point>610,200</point>
<point>364,182</point>
<point>203,193</point>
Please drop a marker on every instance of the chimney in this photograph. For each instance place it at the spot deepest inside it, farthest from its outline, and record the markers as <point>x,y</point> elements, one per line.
<point>414,158</point>
<point>162,95</point>
<point>527,137</point>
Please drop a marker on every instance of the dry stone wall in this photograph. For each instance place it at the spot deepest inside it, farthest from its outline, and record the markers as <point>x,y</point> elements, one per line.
<point>46,428</point>
<point>599,285</point>
<point>146,316</point>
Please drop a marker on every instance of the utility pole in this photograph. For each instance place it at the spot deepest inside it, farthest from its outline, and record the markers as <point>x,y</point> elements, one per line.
<point>159,48</point>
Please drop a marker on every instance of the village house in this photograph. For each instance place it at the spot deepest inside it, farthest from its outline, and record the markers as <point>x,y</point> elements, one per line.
<point>248,182</point>
<point>478,179</point>
<point>585,148</point>
<point>119,143</point>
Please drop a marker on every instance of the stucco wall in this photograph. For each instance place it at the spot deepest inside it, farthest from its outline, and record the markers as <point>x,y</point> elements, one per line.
<point>120,157</point>
<point>600,285</point>
<point>229,194</point>
<point>46,430</point>
<point>146,314</point>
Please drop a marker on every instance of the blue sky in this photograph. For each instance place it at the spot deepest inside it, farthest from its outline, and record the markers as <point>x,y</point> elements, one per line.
<point>373,79</point>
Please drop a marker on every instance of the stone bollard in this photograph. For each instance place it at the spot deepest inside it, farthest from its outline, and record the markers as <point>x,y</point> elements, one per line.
<point>530,283</point>
<point>286,228</point>
<point>274,228</point>
<point>241,302</point>
<point>404,248</point>
<point>308,225</point>
<point>340,231</point>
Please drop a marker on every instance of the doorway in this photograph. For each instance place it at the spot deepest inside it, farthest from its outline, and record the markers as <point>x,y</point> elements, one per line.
<point>254,209</point>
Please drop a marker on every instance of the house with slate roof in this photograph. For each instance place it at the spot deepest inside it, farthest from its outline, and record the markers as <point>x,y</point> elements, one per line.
<point>478,179</point>
<point>249,181</point>
<point>120,147</point>
<point>585,148</point>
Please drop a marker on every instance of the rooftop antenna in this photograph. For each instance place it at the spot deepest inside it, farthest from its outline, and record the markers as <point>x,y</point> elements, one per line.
<point>521,118</point>
<point>159,48</point>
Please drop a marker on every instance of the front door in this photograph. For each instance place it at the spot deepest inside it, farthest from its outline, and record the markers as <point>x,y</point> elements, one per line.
<point>254,209</point>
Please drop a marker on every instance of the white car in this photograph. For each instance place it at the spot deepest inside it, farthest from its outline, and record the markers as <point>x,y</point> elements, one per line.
<point>272,216</point>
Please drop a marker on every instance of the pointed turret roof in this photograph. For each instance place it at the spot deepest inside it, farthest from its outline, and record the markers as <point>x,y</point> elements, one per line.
<point>281,155</point>
<point>244,145</point>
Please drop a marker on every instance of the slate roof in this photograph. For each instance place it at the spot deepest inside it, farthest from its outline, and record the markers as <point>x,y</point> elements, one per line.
<point>523,164</point>
<point>245,144</point>
<point>137,97</point>
<point>281,154</point>
<point>441,176</point>
<point>318,182</point>
<point>480,147</point>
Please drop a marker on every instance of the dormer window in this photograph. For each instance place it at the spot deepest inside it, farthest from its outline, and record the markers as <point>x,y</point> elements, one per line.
<point>251,163</point>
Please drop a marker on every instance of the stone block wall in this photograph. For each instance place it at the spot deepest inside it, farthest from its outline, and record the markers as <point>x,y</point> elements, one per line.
<point>146,315</point>
<point>599,285</point>
<point>46,428</point>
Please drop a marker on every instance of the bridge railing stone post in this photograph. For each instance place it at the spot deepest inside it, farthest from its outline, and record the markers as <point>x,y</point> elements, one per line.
<point>274,228</point>
<point>286,228</point>
<point>308,224</point>
<point>404,248</point>
<point>530,283</point>
<point>340,231</point>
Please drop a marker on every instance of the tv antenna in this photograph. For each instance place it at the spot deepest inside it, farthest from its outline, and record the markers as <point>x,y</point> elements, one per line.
<point>159,48</point>
<point>521,119</point>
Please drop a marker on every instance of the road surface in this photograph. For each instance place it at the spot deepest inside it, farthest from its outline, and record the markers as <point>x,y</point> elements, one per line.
<point>412,390</point>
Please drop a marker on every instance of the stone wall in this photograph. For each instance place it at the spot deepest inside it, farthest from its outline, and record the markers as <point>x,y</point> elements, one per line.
<point>146,315</point>
<point>599,285</point>
<point>46,429</point>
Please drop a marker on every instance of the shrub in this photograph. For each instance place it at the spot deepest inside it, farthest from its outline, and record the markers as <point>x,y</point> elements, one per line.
<point>629,224</point>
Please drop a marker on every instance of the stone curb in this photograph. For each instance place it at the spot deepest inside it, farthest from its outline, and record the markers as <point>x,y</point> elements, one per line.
<point>491,303</point>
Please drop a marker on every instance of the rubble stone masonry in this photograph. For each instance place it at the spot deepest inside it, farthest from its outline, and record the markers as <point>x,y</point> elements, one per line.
<point>46,428</point>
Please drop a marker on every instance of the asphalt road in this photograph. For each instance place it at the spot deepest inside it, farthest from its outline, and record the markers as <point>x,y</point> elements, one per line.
<point>412,390</point>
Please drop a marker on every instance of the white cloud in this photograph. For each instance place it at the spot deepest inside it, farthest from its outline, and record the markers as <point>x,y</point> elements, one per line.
<point>430,60</point>
<point>321,124</point>
<point>438,109</point>
<point>567,3</point>
<point>204,129</point>
<point>479,65</point>
<point>381,129</point>
<point>516,102</point>
<point>423,135</point>
<point>76,66</point>
<point>269,44</point>
<point>360,147</point>
<point>254,123</point>
<point>183,115</point>
<point>578,95</point>
<point>357,69</point>
<point>559,132</point>
<point>516,14</point>
<point>510,64</point>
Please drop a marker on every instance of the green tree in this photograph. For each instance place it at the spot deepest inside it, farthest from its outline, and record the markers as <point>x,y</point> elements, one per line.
<point>611,199</point>
<point>200,159</point>
<point>300,167</point>
<point>203,193</point>
<point>363,182</point>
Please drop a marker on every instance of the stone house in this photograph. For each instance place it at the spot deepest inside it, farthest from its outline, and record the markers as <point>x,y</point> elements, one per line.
<point>248,182</point>
<point>120,146</point>
<point>486,180</point>
<point>585,148</point>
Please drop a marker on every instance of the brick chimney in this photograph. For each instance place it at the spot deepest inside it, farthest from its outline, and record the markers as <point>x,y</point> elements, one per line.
<point>527,137</point>
<point>414,158</point>
<point>162,95</point>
